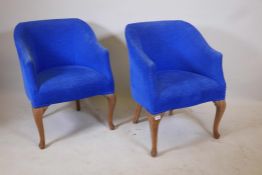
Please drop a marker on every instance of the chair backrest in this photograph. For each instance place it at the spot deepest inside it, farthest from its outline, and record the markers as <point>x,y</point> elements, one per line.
<point>170,44</point>
<point>53,43</point>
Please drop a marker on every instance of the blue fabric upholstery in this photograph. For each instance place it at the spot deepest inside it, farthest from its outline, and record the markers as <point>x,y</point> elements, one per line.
<point>172,66</point>
<point>61,60</point>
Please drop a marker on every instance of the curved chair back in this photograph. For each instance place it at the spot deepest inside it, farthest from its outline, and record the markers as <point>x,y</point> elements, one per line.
<point>52,43</point>
<point>170,44</point>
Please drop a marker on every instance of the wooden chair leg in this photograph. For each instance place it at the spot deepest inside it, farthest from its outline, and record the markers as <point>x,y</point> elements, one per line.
<point>38,116</point>
<point>111,106</point>
<point>170,112</point>
<point>154,123</point>
<point>137,113</point>
<point>44,109</point>
<point>220,109</point>
<point>78,107</point>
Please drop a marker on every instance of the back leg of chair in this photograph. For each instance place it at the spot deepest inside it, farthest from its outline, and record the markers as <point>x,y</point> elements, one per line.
<point>220,109</point>
<point>38,116</point>
<point>137,113</point>
<point>111,98</point>
<point>78,106</point>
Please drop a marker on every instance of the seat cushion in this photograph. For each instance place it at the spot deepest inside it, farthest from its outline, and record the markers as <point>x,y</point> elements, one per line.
<point>68,83</point>
<point>178,89</point>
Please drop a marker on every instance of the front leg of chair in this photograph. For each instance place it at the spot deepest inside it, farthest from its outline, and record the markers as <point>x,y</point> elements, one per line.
<point>220,109</point>
<point>78,106</point>
<point>154,123</point>
<point>111,106</point>
<point>137,113</point>
<point>38,116</point>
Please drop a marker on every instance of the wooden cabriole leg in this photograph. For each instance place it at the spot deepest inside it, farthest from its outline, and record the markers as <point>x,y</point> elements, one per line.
<point>154,123</point>
<point>137,113</point>
<point>78,107</point>
<point>38,116</point>
<point>220,109</point>
<point>44,109</point>
<point>111,106</point>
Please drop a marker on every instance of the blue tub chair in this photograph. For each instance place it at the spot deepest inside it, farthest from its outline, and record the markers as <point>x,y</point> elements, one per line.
<point>172,67</point>
<point>61,60</point>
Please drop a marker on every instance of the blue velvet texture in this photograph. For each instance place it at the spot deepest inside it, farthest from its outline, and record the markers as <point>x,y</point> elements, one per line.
<point>61,60</point>
<point>172,66</point>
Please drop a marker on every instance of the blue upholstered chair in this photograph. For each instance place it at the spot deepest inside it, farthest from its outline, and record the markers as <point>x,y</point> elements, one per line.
<point>171,67</point>
<point>61,60</point>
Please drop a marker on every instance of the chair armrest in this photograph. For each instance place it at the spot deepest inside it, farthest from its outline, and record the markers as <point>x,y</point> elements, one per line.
<point>28,70</point>
<point>202,59</point>
<point>98,59</point>
<point>142,70</point>
<point>29,74</point>
<point>213,65</point>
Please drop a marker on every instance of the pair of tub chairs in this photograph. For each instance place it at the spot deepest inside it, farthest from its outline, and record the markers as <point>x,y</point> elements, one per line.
<point>171,67</point>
